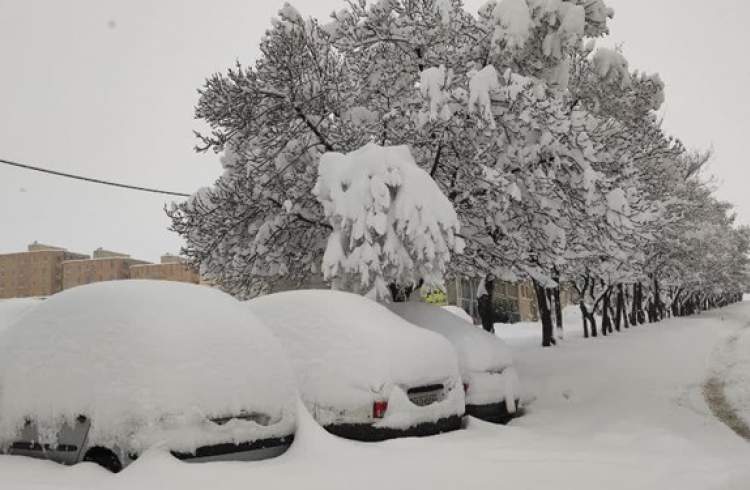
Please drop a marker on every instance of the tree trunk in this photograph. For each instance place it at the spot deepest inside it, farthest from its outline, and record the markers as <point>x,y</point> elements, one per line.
<point>633,307</point>
<point>620,310</point>
<point>676,303</point>
<point>585,317</point>
<point>606,321</point>
<point>548,338</point>
<point>551,303</point>
<point>626,306</point>
<point>558,312</point>
<point>400,293</point>
<point>640,314</point>
<point>657,300</point>
<point>651,309</point>
<point>592,318</point>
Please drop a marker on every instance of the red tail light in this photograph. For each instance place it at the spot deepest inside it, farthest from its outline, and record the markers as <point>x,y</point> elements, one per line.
<point>466,387</point>
<point>379,408</point>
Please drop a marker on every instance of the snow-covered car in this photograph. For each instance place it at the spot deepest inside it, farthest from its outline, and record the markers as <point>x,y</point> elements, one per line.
<point>105,371</point>
<point>363,372</point>
<point>486,364</point>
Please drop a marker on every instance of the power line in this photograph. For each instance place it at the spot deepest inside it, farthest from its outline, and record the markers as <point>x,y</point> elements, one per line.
<point>89,179</point>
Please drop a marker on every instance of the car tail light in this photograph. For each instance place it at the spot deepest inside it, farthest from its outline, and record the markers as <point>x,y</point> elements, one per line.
<point>379,408</point>
<point>466,387</point>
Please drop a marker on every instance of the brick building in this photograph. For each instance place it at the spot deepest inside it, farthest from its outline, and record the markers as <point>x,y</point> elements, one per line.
<point>36,272</point>
<point>87,271</point>
<point>44,270</point>
<point>171,268</point>
<point>514,301</point>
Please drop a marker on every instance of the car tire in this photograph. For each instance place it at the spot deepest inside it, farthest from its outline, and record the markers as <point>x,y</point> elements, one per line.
<point>106,458</point>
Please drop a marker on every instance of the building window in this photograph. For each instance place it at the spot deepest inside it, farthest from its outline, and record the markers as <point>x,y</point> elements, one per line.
<point>466,295</point>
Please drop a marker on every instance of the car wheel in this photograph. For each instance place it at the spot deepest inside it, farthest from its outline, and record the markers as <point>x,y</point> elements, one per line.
<point>104,457</point>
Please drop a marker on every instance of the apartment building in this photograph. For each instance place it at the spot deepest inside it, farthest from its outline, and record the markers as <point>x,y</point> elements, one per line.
<point>103,267</point>
<point>43,270</point>
<point>170,268</point>
<point>37,272</point>
<point>514,301</point>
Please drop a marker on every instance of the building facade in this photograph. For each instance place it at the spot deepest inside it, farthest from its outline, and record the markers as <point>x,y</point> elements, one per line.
<point>44,270</point>
<point>34,273</point>
<point>87,271</point>
<point>514,301</point>
<point>171,268</point>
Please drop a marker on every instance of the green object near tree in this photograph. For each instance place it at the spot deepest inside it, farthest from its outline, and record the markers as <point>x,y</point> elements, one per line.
<point>437,297</point>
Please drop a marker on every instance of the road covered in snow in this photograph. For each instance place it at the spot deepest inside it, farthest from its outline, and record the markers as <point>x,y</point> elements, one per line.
<point>727,390</point>
<point>626,411</point>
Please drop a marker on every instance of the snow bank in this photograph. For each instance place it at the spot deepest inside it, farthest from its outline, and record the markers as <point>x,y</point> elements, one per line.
<point>147,361</point>
<point>11,310</point>
<point>459,312</point>
<point>737,382</point>
<point>391,222</point>
<point>483,358</point>
<point>349,351</point>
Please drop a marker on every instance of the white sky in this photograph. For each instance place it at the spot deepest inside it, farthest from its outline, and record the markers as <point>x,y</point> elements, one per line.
<point>107,88</point>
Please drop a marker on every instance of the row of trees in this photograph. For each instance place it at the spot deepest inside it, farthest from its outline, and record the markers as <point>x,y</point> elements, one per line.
<point>549,150</point>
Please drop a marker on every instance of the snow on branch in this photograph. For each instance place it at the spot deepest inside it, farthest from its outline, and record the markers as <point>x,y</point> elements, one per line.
<point>611,66</point>
<point>391,223</point>
<point>514,23</point>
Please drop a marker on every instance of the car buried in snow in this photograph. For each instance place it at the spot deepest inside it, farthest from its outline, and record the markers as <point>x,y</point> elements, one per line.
<point>106,371</point>
<point>487,371</point>
<point>363,372</point>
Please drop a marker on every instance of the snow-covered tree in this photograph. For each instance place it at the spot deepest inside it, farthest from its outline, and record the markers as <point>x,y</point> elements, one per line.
<point>392,225</point>
<point>548,149</point>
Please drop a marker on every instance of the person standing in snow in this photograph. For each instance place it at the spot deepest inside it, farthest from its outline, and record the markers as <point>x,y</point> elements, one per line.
<point>484,303</point>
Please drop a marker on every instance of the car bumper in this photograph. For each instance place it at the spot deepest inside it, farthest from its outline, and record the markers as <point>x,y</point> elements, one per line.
<point>246,451</point>
<point>494,412</point>
<point>369,433</point>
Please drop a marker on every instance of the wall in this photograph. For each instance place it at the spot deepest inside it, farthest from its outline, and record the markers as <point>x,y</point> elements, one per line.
<point>174,271</point>
<point>80,272</point>
<point>35,273</point>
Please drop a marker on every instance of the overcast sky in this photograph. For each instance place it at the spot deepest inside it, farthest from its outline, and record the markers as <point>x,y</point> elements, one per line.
<point>107,89</point>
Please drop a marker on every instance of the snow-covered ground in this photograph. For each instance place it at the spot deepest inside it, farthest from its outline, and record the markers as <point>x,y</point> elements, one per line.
<point>729,384</point>
<point>619,412</point>
<point>738,376</point>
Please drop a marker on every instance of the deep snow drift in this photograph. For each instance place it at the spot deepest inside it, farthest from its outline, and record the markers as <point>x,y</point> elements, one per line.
<point>13,309</point>
<point>140,358</point>
<point>623,412</point>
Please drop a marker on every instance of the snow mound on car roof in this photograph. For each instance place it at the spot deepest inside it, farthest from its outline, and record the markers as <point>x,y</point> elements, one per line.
<point>129,354</point>
<point>459,312</point>
<point>347,349</point>
<point>13,309</point>
<point>477,350</point>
